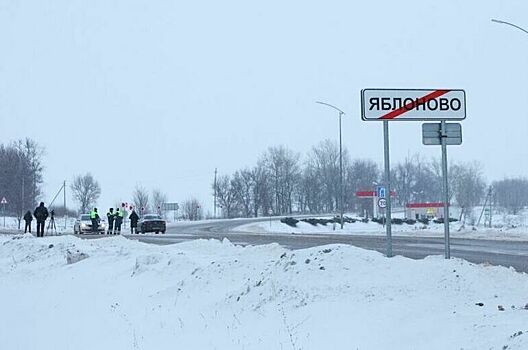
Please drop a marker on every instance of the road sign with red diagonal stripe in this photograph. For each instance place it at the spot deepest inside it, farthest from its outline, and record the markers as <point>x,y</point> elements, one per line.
<point>413,104</point>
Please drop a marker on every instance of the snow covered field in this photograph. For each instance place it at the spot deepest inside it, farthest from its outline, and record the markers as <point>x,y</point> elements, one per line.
<point>113,293</point>
<point>499,231</point>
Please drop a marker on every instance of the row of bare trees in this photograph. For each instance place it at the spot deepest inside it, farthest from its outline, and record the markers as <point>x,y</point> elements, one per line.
<point>20,176</point>
<point>282,183</point>
<point>510,194</point>
<point>191,209</point>
<point>86,191</point>
<point>418,180</point>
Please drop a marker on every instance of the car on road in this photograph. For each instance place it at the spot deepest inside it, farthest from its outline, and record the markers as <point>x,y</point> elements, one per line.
<point>151,223</point>
<point>83,224</point>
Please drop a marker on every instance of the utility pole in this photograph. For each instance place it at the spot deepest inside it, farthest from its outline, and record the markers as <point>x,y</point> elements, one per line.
<point>22,206</point>
<point>490,205</point>
<point>65,214</point>
<point>214,209</point>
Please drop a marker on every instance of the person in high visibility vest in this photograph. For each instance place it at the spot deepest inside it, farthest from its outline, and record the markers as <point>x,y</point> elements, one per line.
<point>94,216</point>
<point>118,221</point>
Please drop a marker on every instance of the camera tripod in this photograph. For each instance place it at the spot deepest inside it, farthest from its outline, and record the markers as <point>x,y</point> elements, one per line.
<point>51,224</point>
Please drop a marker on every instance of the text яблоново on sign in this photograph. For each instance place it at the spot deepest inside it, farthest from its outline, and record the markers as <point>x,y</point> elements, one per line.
<point>413,104</point>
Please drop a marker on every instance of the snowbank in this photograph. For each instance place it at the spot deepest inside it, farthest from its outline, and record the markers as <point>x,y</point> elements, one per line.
<point>373,228</point>
<point>114,293</point>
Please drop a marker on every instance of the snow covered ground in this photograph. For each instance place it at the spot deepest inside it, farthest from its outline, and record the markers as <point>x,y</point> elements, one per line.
<point>65,225</point>
<point>65,293</point>
<point>499,231</point>
<point>62,225</point>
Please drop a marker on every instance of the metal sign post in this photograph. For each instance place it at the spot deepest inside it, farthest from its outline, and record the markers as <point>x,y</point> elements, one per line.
<point>417,105</point>
<point>4,202</point>
<point>388,216</point>
<point>443,134</point>
<point>170,206</point>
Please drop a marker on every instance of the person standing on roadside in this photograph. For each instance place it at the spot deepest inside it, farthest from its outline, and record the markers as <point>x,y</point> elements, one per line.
<point>28,218</point>
<point>118,221</point>
<point>111,217</point>
<point>41,214</point>
<point>94,216</point>
<point>134,218</point>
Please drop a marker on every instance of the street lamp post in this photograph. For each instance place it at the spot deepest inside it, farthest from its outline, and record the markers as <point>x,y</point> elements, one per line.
<point>526,32</point>
<point>341,113</point>
<point>510,24</point>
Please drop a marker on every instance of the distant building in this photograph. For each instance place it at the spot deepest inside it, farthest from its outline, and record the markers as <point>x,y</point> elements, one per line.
<point>424,210</point>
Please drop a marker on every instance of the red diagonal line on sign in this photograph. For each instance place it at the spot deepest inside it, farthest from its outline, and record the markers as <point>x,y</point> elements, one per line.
<point>408,106</point>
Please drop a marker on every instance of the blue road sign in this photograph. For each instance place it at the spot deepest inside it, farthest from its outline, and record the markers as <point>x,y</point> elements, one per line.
<point>380,192</point>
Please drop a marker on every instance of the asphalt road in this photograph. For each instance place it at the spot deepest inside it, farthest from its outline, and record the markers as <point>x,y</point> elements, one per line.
<point>495,252</point>
<point>480,251</point>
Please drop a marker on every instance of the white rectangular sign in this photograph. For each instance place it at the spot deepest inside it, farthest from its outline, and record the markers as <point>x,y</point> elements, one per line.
<point>413,104</point>
<point>432,134</point>
<point>170,206</point>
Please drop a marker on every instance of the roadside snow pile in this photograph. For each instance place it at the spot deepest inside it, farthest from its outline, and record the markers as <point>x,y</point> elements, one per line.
<point>373,228</point>
<point>122,294</point>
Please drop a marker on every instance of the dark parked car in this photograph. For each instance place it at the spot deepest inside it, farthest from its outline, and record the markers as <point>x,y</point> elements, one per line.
<point>151,223</point>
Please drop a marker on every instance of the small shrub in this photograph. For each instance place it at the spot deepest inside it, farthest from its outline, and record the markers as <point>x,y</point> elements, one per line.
<point>441,220</point>
<point>290,221</point>
<point>349,220</point>
<point>424,221</point>
<point>397,221</point>
<point>310,221</point>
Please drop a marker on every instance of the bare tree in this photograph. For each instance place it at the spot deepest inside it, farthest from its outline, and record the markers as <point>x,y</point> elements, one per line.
<point>512,193</point>
<point>140,197</point>
<point>468,187</point>
<point>86,191</point>
<point>243,184</point>
<point>323,164</point>
<point>158,198</point>
<point>192,209</point>
<point>284,171</point>
<point>262,196</point>
<point>309,192</point>
<point>32,152</point>
<point>417,180</point>
<point>225,194</point>
<point>360,175</point>
<point>20,175</point>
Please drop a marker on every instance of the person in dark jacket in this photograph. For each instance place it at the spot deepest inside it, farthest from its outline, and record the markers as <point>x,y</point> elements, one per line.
<point>134,218</point>
<point>41,214</point>
<point>28,218</point>
<point>110,216</point>
<point>118,221</point>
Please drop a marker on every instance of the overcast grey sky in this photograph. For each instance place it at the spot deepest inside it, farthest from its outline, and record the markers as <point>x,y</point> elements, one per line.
<point>159,93</point>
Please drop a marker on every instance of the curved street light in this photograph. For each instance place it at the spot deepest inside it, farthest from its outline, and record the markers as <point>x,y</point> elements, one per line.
<point>341,113</point>
<point>509,24</point>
